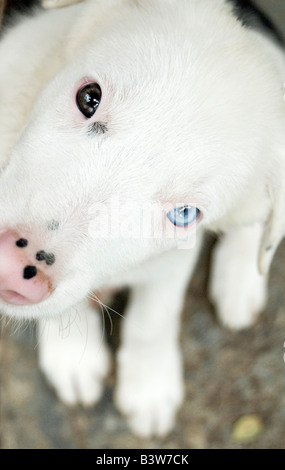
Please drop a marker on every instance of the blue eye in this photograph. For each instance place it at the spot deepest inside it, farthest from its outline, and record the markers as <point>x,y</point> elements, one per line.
<point>183,216</point>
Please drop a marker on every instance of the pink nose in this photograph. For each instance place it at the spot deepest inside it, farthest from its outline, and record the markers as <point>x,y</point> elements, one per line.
<point>21,281</point>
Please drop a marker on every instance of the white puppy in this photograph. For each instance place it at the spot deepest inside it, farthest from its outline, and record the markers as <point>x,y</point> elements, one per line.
<point>128,128</point>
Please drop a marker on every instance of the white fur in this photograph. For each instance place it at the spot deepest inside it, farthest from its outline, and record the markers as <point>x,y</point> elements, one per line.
<point>73,355</point>
<point>237,289</point>
<point>195,113</point>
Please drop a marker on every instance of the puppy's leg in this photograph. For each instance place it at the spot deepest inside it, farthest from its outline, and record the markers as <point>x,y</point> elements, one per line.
<point>237,289</point>
<point>150,376</point>
<point>73,356</point>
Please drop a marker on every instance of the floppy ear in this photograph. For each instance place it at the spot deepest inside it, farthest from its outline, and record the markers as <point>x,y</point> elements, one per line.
<point>274,228</point>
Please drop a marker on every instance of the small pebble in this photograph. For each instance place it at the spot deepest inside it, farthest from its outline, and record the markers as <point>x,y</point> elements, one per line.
<point>247,428</point>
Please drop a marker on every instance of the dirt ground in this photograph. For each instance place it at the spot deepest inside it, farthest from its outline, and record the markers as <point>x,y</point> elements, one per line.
<point>227,375</point>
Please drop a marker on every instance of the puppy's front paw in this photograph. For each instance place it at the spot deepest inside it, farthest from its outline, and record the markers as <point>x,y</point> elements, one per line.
<point>74,364</point>
<point>239,295</point>
<point>150,390</point>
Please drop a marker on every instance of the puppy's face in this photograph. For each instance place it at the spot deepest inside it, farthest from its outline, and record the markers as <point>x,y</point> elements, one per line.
<point>139,140</point>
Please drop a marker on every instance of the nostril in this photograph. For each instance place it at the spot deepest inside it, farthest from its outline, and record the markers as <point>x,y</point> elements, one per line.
<point>29,272</point>
<point>22,243</point>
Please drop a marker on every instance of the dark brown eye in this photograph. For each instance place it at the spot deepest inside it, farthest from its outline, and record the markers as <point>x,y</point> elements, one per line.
<point>88,99</point>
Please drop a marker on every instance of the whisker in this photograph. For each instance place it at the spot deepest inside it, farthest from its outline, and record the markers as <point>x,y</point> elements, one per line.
<point>94,297</point>
<point>103,322</point>
<point>104,308</point>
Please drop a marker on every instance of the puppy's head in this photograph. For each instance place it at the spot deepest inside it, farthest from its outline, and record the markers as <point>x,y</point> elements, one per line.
<point>150,131</point>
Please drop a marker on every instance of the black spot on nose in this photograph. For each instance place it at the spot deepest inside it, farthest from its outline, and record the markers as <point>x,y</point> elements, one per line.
<point>29,272</point>
<point>49,258</point>
<point>22,243</point>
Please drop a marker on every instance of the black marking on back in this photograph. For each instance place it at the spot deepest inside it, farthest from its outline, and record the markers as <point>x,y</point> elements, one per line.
<point>252,17</point>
